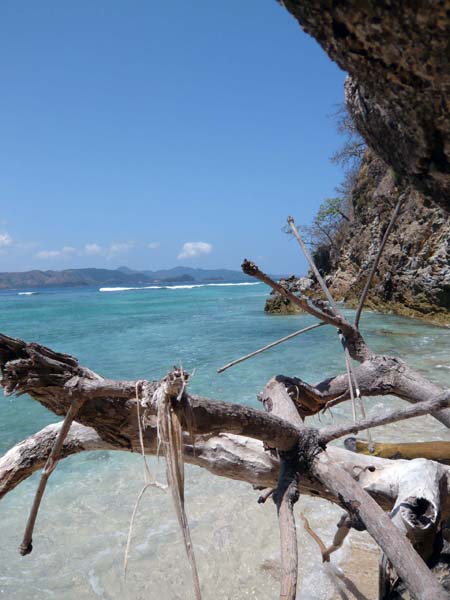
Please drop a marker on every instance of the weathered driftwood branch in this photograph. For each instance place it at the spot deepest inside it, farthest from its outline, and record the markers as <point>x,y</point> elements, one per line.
<point>21,461</point>
<point>409,565</point>
<point>377,376</point>
<point>77,402</point>
<point>421,408</point>
<point>277,401</point>
<point>357,347</point>
<point>312,459</point>
<point>437,450</point>
<point>108,419</point>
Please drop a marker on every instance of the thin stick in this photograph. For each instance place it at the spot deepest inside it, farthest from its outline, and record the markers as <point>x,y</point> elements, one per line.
<point>359,397</point>
<point>352,376</point>
<point>417,410</point>
<point>312,264</point>
<point>350,387</point>
<point>377,260</point>
<point>271,345</point>
<point>314,536</point>
<point>27,542</point>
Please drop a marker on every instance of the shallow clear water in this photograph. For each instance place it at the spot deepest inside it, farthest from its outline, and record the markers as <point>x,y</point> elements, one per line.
<point>81,531</point>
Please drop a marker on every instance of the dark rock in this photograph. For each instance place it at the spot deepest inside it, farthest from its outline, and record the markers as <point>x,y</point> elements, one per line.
<point>397,55</point>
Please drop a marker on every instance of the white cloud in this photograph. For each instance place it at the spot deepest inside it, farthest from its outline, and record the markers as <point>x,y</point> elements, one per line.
<point>193,249</point>
<point>92,249</point>
<point>5,240</point>
<point>65,251</point>
<point>153,245</point>
<point>119,248</point>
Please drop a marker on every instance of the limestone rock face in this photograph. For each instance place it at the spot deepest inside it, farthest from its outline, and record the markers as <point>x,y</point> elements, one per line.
<point>397,55</point>
<point>413,277</point>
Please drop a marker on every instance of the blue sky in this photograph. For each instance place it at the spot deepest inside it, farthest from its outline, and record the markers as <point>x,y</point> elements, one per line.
<point>130,129</point>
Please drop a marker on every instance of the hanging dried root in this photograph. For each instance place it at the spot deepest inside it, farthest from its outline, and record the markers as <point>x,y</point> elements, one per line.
<point>149,480</point>
<point>170,441</point>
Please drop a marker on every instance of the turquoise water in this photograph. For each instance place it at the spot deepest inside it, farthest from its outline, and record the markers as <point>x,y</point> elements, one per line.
<point>81,531</point>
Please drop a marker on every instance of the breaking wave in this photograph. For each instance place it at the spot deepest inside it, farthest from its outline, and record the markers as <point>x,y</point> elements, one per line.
<point>176,287</point>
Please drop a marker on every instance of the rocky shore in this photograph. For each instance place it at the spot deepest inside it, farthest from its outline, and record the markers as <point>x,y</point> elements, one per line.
<point>413,277</point>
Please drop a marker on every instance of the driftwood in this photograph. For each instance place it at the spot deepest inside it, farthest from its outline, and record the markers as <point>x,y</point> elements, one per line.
<point>403,504</point>
<point>106,420</point>
<point>439,451</point>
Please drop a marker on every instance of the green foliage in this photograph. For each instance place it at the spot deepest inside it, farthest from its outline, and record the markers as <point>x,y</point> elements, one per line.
<point>327,222</point>
<point>330,210</point>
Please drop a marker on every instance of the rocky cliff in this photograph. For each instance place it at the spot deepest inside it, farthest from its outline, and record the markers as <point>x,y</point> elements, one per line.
<point>397,55</point>
<point>413,277</point>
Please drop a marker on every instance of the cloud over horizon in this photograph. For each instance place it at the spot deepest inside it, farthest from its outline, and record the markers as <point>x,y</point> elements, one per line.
<point>91,249</point>
<point>193,249</point>
<point>5,240</point>
<point>63,252</point>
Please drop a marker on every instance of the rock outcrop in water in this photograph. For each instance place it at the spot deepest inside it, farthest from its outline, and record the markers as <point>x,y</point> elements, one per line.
<point>397,55</point>
<point>276,304</point>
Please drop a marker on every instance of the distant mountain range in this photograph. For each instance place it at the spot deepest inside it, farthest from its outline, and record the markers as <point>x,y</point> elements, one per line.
<point>121,276</point>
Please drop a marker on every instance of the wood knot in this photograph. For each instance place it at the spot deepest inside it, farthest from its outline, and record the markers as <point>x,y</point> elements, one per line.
<point>308,447</point>
<point>175,382</point>
<point>249,268</point>
<point>352,508</point>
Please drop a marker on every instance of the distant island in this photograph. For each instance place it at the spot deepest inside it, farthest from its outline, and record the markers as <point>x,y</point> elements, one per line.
<point>120,276</point>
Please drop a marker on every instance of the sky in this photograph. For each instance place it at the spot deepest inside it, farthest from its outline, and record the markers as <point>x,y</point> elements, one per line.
<point>155,134</point>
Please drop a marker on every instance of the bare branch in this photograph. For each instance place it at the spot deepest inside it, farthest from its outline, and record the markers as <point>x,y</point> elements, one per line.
<point>421,408</point>
<point>27,546</point>
<point>377,259</point>
<point>357,347</point>
<point>250,268</point>
<point>277,401</point>
<point>315,270</point>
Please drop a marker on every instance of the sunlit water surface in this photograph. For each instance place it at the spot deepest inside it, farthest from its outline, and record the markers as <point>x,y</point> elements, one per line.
<point>81,532</point>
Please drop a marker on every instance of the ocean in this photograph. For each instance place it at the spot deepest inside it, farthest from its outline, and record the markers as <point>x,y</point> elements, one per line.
<point>82,527</point>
